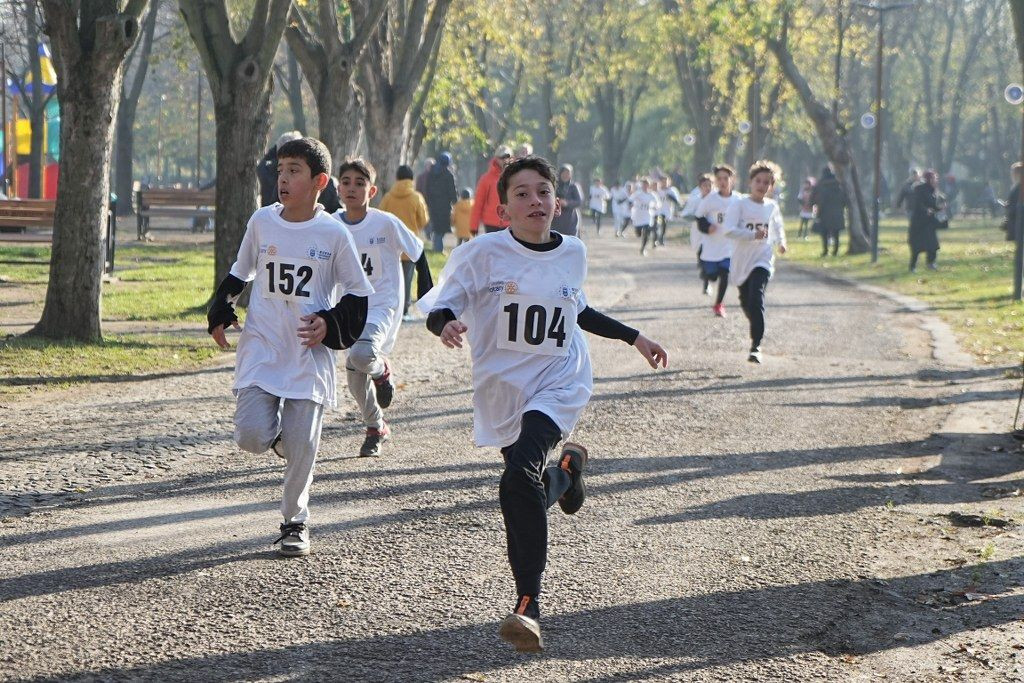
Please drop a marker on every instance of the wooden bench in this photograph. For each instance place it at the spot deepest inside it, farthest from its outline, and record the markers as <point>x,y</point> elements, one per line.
<point>196,205</point>
<point>18,215</point>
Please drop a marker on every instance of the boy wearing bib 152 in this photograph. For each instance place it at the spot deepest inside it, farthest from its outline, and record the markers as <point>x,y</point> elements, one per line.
<point>518,296</point>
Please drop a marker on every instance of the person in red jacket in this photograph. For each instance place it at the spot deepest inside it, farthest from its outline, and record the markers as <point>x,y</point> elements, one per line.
<point>485,205</point>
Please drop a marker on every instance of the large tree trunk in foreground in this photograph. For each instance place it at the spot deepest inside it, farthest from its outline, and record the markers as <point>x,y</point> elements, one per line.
<point>89,45</point>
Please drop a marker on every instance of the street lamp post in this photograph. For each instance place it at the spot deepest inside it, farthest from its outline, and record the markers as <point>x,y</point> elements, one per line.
<point>1014,94</point>
<point>876,208</point>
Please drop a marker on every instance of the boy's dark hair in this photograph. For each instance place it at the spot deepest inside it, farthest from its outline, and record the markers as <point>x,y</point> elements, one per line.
<point>705,178</point>
<point>310,150</point>
<point>405,173</point>
<point>723,167</point>
<point>466,193</point>
<point>535,163</point>
<point>360,166</point>
<point>765,166</point>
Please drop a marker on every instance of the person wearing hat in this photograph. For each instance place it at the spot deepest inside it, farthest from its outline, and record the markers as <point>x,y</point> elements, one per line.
<point>441,195</point>
<point>485,205</point>
<point>570,198</point>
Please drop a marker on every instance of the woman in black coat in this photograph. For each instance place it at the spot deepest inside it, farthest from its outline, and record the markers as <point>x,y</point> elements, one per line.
<point>441,195</point>
<point>830,198</point>
<point>927,218</point>
<point>571,197</point>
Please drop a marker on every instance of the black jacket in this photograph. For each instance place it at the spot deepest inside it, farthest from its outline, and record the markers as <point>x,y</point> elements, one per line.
<point>830,198</point>
<point>441,195</point>
<point>927,203</point>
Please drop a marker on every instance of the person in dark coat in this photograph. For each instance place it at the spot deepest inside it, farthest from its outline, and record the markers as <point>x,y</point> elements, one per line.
<point>1013,202</point>
<point>570,196</point>
<point>928,216</point>
<point>905,198</point>
<point>831,201</point>
<point>266,170</point>
<point>441,195</point>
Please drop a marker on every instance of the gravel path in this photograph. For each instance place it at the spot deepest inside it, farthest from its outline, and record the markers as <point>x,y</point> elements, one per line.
<point>744,523</point>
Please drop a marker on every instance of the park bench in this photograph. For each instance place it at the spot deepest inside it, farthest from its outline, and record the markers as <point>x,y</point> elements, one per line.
<point>195,205</point>
<point>19,215</point>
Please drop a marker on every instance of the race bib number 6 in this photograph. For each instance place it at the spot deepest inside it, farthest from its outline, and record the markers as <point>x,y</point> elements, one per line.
<point>532,324</point>
<point>289,279</point>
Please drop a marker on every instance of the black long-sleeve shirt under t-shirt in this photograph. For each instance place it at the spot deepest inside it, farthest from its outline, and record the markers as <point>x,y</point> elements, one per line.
<point>588,319</point>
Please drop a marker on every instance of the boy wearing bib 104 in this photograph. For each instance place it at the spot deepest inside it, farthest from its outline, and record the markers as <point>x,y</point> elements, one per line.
<point>518,296</point>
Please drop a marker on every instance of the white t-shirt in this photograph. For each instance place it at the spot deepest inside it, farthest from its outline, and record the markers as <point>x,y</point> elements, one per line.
<point>520,307</point>
<point>744,216</point>
<point>296,269</point>
<point>717,247</point>
<point>620,200</point>
<point>690,209</point>
<point>644,206</point>
<point>667,205</point>
<point>599,196</point>
<point>381,238</point>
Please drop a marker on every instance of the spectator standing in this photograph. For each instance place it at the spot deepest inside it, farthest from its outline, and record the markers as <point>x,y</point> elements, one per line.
<point>441,195</point>
<point>485,204</point>
<point>928,217</point>
<point>570,198</point>
<point>1013,202</point>
<point>829,200</point>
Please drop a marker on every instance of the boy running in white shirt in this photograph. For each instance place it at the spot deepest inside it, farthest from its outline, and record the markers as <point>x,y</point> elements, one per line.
<point>620,206</point>
<point>717,248</point>
<point>599,196</point>
<point>645,205</point>
<point>754,223</point>
<point>669,198</point>
<point>696,236</point>
<point>297,257</point>
<point>381,239</point>
<point>518,296</point>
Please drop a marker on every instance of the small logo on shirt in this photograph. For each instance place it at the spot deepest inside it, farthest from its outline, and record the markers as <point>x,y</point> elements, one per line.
<point>511,287</point>
<point>323,254</point>
<point>312,252</point>
<point>496,287</point>
<point>378,240</point>
<point>271,250</point>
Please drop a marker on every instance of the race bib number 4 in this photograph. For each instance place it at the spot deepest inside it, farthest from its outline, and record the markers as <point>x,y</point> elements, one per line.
<point>370,257</point>
<point>532,324</point>
<point>289,279</point>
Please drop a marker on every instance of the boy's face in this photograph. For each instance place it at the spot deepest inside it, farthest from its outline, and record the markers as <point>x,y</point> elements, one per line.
<point>723,181</point>
<point>296,184</point>
<point>705,188</point>
<point>355,189</point>
<point>646,186</point>
<point>531,201</point>
<point>761,184</point>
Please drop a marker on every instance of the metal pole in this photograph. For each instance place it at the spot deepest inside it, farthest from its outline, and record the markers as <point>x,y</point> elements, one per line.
<point>1018,255</point>
<point>3,114</point>
<point>878,139</point>
<point>199,124</point>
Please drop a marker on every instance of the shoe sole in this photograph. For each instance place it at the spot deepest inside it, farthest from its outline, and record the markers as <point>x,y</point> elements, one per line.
<point>377,454</point>
<point>571,447</point>
<point>522,632</point>
<point>293,553</point>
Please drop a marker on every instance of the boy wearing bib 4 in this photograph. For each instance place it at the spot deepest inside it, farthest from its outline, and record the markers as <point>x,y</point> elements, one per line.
<point>298,258</point>
<point>518,297</point>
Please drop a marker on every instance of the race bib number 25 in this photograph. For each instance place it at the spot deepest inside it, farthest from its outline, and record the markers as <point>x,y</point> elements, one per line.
<point>532,324</point>
<point>289,279</point>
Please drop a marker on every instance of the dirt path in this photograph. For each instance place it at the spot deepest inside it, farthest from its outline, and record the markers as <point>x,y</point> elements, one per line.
<point>744,523</point>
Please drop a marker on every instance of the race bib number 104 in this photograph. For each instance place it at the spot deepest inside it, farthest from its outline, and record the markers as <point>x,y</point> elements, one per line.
<point>290,279</point>
<point>532,324</point>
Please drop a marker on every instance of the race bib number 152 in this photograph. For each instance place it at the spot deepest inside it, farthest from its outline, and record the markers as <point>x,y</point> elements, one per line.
<point>289,279</point>
<point>532,324</point>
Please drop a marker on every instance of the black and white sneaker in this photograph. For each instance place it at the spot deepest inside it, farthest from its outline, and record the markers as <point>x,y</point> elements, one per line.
<point>294,540</point>
<point>384,387</point>
<point>755,355</point>
<point>522,627</point>
<point>374,441</point>
<point>573,460</point>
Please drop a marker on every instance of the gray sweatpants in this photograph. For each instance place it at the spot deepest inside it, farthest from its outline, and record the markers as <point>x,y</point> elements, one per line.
<point>365,362</point>
<point>259,418</point>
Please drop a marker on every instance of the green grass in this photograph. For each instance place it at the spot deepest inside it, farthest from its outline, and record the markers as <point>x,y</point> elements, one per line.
<point>971,290</point>
<point>32,362</point>
<point>154,283</point>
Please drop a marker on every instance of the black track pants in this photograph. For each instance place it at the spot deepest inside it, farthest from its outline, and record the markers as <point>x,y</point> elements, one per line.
<point>752,302</point>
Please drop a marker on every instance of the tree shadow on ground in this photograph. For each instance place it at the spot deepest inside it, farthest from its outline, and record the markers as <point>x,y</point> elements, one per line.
<point>693,632</point>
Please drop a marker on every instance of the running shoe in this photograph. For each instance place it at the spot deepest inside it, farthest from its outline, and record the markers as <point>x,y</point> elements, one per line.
<point>384,387</point>
<point>707,288</point>
<point>719,310</point>
<point>522,627</point>
<point>294,540</point>
<point>573,460</point>
<point>755,355</point>
<point>375,439</point>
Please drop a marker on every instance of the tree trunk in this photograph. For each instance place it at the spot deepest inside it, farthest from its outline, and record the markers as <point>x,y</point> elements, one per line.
<point>340,117</point>
<point>37,118</point>
<point>243,128</point>
<point>833,143</point>
<point>295,94</point>
<point>89,71</point>
<point>387,140</point>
